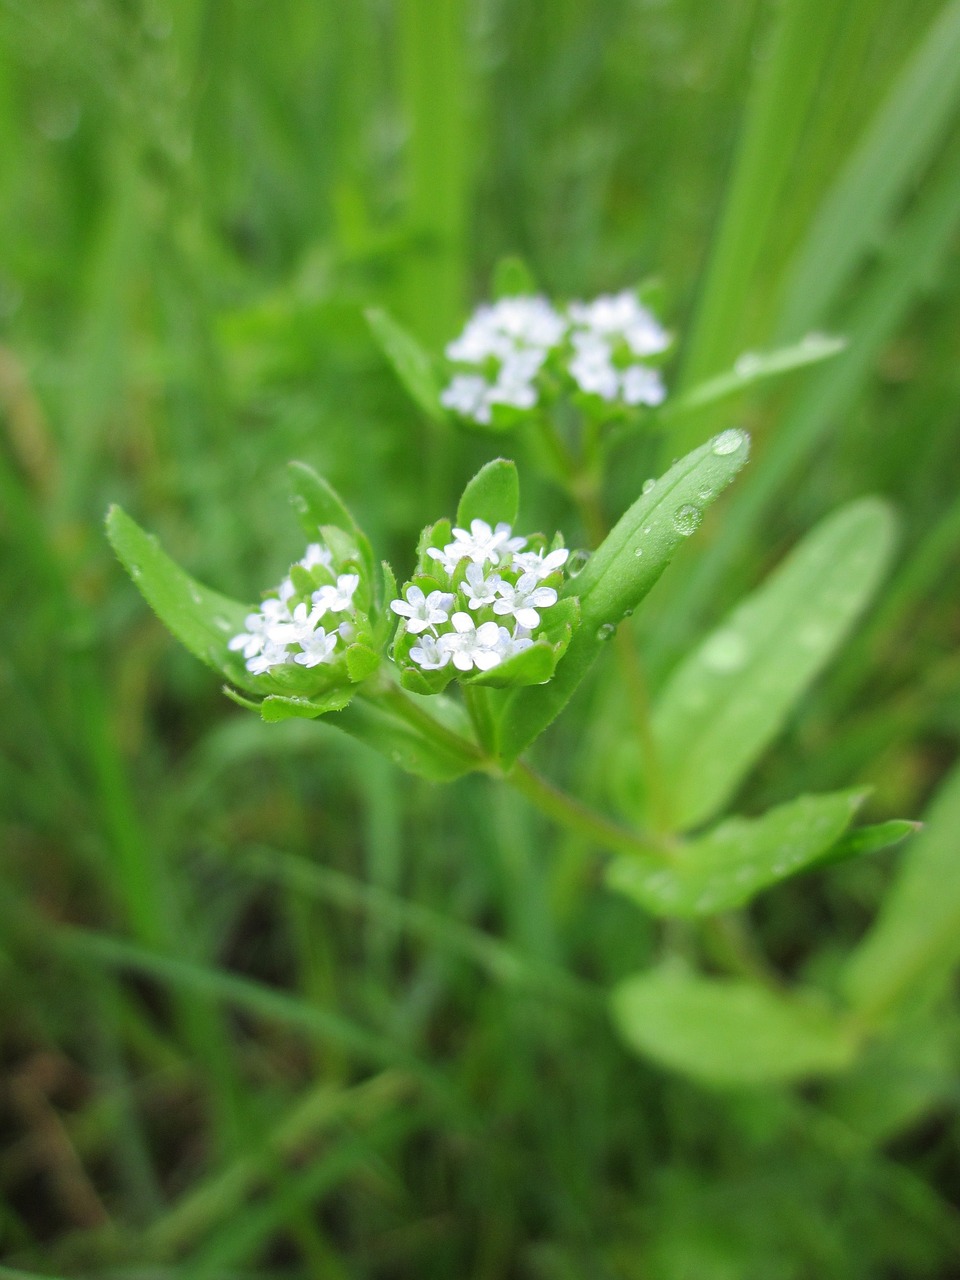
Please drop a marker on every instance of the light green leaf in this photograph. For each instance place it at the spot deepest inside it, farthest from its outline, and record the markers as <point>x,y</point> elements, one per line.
<point>726,1032</point>
<point>201,619</point>
<point>731,697</point>
<point>275,707</point>
<point>917,936</point>
<point>362,662</point>
<point>753,367</point>
<point>411,363</point>
<point>866,840</point>
<point>512,277</point>
<point>317,503</point>
<point>492,495</point>
<point>737,859</point>
<point>621,572</point>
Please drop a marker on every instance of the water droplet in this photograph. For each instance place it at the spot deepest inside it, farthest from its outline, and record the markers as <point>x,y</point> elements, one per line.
<point>705,494</point>
<point>725,651</point>
<point>605,631</point>
<point>577,563</point>
<point>648,528</point>
<point>627,613</point>
<point>648,486</point>
<point>136,571</point>
<point>728,441</point>
<point>195,595</point>
<point>748,364</point>
<point>686,519</point>
<point>222,623</point>
<point>638,552</point>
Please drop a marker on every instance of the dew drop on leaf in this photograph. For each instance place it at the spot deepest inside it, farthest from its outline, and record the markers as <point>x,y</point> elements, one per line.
<point>577,563</point>
<point>686,519</point>
<point>606,631</point>
<point>728,441</point>
<point>648,486</point>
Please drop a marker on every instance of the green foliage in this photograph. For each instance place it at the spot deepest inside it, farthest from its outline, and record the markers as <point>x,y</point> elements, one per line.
<point>274,1003</point>
<point>728,1032</point>
<point>492,495</point>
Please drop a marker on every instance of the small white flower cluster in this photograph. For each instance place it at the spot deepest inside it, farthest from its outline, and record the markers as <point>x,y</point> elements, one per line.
<point>512,338</point>
<point>609,337</point>
<point>286,628</point>
<point>603,343</point>
<point>494,581</point>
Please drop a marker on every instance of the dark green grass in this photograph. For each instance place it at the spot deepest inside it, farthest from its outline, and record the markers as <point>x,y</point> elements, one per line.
<point>269,1007</point>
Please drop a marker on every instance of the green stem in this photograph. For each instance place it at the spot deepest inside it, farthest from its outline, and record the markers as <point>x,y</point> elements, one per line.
<point>578,818</point>
<point>405,708</point>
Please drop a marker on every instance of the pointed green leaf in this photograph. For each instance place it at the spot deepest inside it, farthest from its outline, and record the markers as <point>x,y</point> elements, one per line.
<point>866,840</point>
<point>726,1032</point>
<point>621,572</point>
<point>275,707</point>
<point>737,859</point>
<point>317,503</point>
<point>753,367</point>
<point>492,495</point>
<point>730,698</point>
<point>201,619</point>
<point>411,363</point>
<point>513,278</point>
<point>362,662</point>
<point>917,936</point>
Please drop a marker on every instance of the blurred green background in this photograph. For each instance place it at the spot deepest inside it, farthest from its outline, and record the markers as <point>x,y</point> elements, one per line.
<point>269,1007</point>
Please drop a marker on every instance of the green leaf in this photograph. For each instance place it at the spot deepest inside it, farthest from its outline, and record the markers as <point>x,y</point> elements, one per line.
<point>513,278</point>
<point>726,1032</point>
<point>753,367</point>
<point>275,707</point>
<point>362,662</point>
<point>317,503</point>
<point>737,859</point>
<point>622,571</point>
<point>492,495</point>
<point>730,698</point>
<point>411,363</point>
<point>866,840</point>
<point>916,939</point>
<point>201,619</point>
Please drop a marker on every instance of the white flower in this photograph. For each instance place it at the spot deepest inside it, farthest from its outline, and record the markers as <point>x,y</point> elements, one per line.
<point>497,329</point>
<point>641,385</point>
<point>622,315</point>
<point>423,611</point>
<point>253,640</point>
<point>286,590</point>
<point>540,565</point>
<point>316,554</point>
<point>592,366</point>
<point>337,599</point>
<point>467,395</point>
<point>471,646</point>
<point>291,628</point>
<point>273,655</point>
<point>317,647</point>
<point>429,655</point>
<point>479,589</point>
<point>522,600</point>
<point>508,646</point>
<point>480,543</point>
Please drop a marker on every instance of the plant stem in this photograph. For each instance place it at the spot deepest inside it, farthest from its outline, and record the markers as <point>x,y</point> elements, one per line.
<point>578,818</point>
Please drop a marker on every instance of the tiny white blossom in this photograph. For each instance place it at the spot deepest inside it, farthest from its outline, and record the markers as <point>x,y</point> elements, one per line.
<point>273,655</point>
<point>642,385</point>
<point>292,628</point>
<point>480,543</point>
<point>316,554</point>
<point>508,646</point>
<point>471,646</point>
<point>622,315</point>
<point>429,655</point>
<point>286,590</point>
<point>253,640</point>
<point>317,647</point>
<point>468,394</point>
<point>337,599</point>
<point>479,590</point>
<point>540,565</point>
<point>423,611</point>
<point>522,600</point>
<point>592,367</point>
